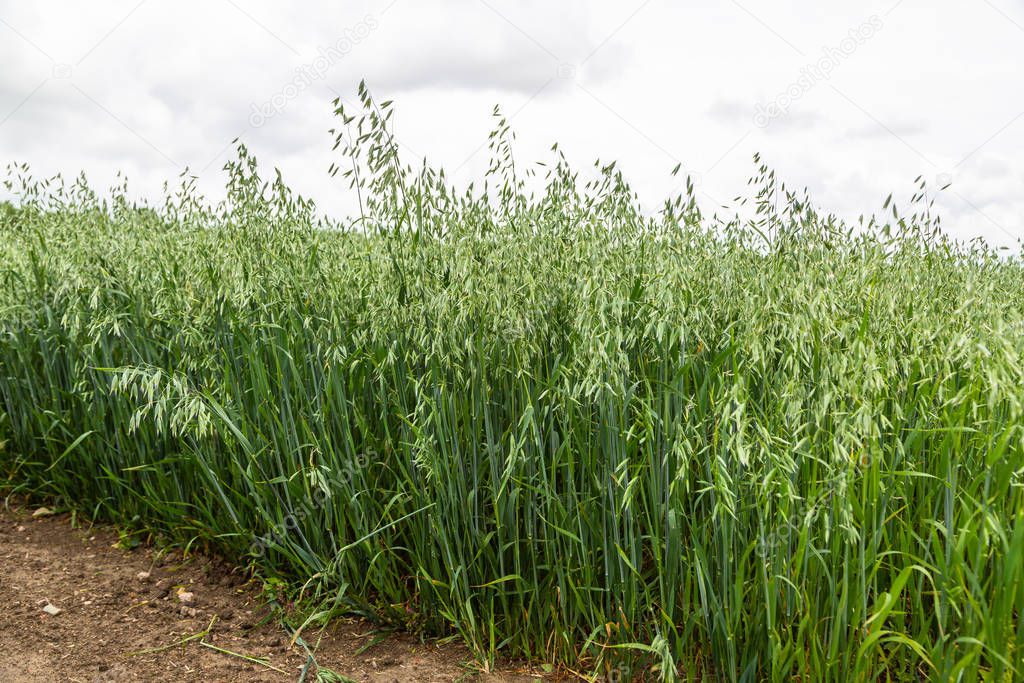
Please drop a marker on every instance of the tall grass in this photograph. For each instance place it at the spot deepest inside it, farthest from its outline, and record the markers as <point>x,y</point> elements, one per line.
<point>674,446</point>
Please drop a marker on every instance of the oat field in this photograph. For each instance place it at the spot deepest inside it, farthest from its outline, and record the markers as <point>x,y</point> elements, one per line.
<point>670,445</point>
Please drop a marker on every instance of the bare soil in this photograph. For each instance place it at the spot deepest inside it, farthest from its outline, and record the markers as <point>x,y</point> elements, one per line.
<point>125,615</point>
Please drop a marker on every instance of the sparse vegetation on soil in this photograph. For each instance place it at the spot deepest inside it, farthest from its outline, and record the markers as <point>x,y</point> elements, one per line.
<point>119,617</point>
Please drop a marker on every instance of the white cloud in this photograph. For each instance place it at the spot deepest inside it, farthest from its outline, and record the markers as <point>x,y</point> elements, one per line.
<point>128,85</point>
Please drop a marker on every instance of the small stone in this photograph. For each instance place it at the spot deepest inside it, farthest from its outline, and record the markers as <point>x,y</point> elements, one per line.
<point>143,576</point>
<point>185,597</point>
<point>42,512</point>
<point>20,528</point>
<point>52,610</point>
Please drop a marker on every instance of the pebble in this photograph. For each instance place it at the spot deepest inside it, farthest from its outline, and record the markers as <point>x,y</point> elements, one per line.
<point>52,610</point>
<point>142,576</point>
<point>186,597</point>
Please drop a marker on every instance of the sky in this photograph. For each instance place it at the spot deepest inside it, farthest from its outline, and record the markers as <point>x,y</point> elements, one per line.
<point>851,100</point>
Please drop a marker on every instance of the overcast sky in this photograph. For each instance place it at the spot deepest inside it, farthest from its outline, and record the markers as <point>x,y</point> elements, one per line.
<point>852,100</point>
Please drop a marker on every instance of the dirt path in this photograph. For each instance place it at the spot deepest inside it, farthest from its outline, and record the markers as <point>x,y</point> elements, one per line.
<point>115,605</point>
